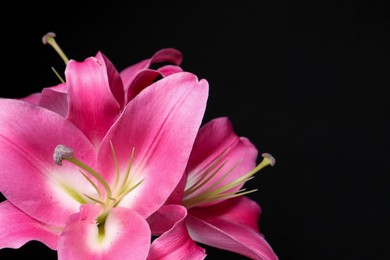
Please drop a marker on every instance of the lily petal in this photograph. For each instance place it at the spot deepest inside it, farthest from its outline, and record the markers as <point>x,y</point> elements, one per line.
<point>28,137</point>
<point>241,210</point>
<point>127,236</point>
<point>160,124</point>
<point>175,243</point>
<point>141,80</point>
<point>129,73</point>
<point>147,76</point>
<point>115,81</point>
<point>165,55</point>
<point>169,70</point>
<point>32,98</point>
<point>92,106</point>
<point>170,55</point>
<point>218,144</point>
<point>165,218</point>
<point>17,228</point>
<point>229,231</point>
<point>55,99</point>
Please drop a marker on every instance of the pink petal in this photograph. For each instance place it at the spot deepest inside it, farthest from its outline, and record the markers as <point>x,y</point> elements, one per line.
<point>170,55</point>
<point>176,196</point>
<point>175,243</point>
<point>169,70</point>
<point>165,218</point>
<point>29,178</point>
<point>227,231</point>
<point>240,210</point>
<point>17,228</point>
<point>160,124</point>
<point>55,99</point>
<point>36,97</point>
<point>115,81</point>
<point>129,73</point>
<point>214,139</point>
<point>143,79</point>
<point>92,106</point>
<point>127,236</point>
<point>33,98</point>
<point>164,55</point>
<point>146,77</point>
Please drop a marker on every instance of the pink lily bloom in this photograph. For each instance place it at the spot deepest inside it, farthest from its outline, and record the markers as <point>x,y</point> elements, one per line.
<point>115,91</point>
<point>217,212</point>
<point>116,160</point>
<point>124,85</point>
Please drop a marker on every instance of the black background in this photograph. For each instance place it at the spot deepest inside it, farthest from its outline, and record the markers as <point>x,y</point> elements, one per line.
<point>306,82</point>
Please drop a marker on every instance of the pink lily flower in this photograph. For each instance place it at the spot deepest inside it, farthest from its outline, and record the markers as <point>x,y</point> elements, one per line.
<point>116,160</point>
<point>217,212</point>
<point>124,85</point>
<point>111,97</point>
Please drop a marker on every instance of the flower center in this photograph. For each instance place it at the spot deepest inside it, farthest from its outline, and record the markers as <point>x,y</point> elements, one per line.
<point>108,196</point>
<point>199,192</point>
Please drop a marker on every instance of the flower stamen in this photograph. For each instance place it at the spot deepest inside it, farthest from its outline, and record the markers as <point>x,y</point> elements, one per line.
<point>62,152</point>
<point>205,177</point>
<point>128,170</point>
<point>116,165</point>
<point>57,74</point>
<point>214,193</point>
<point>48,38</point>
<point>122,185</point>
<point>99,192</point>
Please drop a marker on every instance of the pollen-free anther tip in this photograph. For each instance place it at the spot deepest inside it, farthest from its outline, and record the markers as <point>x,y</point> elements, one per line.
<point>62,152</point>
<point>270,158</point>
<point>47,36</point>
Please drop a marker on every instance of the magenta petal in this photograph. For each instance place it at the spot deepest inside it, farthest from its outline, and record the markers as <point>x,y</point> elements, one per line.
<point>17,228</point>
<point>29,178</point>
<point>241,210</point>
<point>129,73</point>
<point>160,124</point>
<point>55,99</point>
<point>226,229</point>
<point>175,243</point>
<point>165,218</point>
<point>217,138</point>
<point>147,76</point>
<point>115,81</point>
<point>127,236</point>
<point>142,80</point>
<point>33,98</point>
<point>169,70</point>
<point>92,106</point>
<point>169,55</point>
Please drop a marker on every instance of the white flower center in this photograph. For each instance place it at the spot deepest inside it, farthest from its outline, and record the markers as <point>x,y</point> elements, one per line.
<point>108,196</point>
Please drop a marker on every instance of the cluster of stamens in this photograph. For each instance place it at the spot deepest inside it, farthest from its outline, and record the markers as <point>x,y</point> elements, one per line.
<point>217,192</point>
<point>109,197</point>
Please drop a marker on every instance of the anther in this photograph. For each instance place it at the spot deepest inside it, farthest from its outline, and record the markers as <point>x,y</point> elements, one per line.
<point>48,37</point>
<point>270,158</point>
<point>62,152</point>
